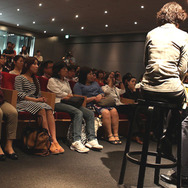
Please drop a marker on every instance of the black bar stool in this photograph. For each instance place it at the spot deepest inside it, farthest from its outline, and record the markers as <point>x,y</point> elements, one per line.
<point>151,105</point>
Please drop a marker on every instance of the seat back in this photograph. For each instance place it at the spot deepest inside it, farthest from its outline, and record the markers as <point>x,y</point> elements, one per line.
<point>8,80</point>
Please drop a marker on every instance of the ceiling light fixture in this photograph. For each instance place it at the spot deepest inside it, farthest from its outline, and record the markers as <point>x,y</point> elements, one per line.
<point>76,16</point>
<point>18,9</point>
<point>18,25</point>
<point>135,23</point>
<point>1,13</point>
<point>67,36</point>
<point>106,25</point>
<point>105,11</point>
<point>40,4</point>
<point>33,22</point>
<point>53,19</point>
<point>142,6</point>
<point>44,31</point>
<point>82,27</point>
<point>62,29</point>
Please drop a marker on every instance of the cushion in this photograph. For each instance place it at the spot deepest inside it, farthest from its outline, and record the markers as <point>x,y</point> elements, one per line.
<point>43,83</point>
<point>61,115</point>
<point>8,80</point>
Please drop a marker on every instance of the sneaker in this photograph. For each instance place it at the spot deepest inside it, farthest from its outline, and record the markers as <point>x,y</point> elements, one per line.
<point>79,147</point>
<point>93,144</point>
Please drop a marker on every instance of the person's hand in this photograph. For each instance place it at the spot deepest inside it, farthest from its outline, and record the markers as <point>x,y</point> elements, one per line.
<point>98,98</point>
<point>67,97</point>
<point>41,99</point>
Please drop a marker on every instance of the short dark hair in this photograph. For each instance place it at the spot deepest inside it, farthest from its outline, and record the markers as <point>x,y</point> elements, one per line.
<point>43,66</point>
<point>84,71</point>
<point>17,57</point>
<point>71,67</point>
<point>38,51</point>
<point>171,12</point>
<point>57,67</point>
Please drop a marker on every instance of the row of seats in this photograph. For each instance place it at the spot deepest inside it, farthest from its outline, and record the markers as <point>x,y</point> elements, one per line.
<point>8,86</point>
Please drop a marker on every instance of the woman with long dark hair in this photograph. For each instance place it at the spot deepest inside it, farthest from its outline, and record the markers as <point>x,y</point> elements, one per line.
<point>18,65</point>
<point>30,100</point>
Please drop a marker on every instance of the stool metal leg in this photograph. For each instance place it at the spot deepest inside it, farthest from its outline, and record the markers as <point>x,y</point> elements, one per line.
<point>179,131</point>
<point>127,148</point>
<point>142,169</point>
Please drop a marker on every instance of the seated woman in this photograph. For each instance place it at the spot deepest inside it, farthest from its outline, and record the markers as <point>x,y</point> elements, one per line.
<point>30,100</point>
<point>130,89</point>
<point>60,86</point>
<point>100,77</point>
<point>11,115</point>
<point>110,118</point>
<point>18,65</point>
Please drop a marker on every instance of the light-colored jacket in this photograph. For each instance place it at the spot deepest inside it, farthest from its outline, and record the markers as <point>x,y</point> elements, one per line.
<point>59,87</point>
<point>166,58</point>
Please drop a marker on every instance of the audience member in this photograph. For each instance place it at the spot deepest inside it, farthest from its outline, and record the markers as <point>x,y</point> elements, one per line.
<point>60,86</point>
<point>9,53</point>
<point>38,56</point>
<point>71,73</point>
<point>2,62</point>
<point>45,69</point>
<point>10,115</point>
<point>100,77</point>
<point>130,90</point>
<point>24,52</point>
<point>30,100</point>
<point>91,89</point>
<point>18,65</point>
<point>13,46</point>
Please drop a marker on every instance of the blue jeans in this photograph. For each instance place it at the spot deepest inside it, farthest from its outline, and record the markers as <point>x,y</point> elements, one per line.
<point>77,115</point>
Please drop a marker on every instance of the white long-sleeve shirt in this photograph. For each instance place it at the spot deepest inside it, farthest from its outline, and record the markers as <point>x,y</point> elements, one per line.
<point>166,58</point>
<point>60,87</point>
<point>114,92</point>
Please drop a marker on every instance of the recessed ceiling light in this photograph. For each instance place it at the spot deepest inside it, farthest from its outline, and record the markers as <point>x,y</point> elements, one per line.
<point>77,16</point>
<point>18,24</point>
<point>33,22</point>
<point>106,25</point>
<point>82,27</point>
<point>142,6</point>
<point>44,31</point>
<point>53,19</point>
<point>105,11</point>
<point>18,9</point>
<point>1,13</point>
<point>67,36</point>
<point>135,23</point>
<point>40,4</point>
<point>62,29</point>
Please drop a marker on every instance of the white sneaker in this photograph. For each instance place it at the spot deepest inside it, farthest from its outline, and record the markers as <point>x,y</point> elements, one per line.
<point>93,144</point>
<point>79,147</point>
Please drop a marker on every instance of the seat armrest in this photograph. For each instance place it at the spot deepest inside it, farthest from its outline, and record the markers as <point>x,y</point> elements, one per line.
<point>50,98</point>
<point>127,101</point>
<point>10,96</point>
<point>85,99</point>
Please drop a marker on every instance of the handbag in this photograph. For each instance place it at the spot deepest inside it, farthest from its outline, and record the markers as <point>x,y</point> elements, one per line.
<point>36,140</point>
<point>107,101</point>
<point>74,101</point>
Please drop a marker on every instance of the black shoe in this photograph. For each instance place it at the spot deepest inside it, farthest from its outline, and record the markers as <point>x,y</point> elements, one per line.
<point>172,179</point>
<point>2,157</point>
<point>12,156</point>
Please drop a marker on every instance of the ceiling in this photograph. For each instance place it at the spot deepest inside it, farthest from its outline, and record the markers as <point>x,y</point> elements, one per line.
<point>121,16</point>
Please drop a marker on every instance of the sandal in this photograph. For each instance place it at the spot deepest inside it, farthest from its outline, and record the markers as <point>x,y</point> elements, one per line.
<point>60,149</point>
<point>117,139</point>
<point>114,142</point>
<point>53,149</point>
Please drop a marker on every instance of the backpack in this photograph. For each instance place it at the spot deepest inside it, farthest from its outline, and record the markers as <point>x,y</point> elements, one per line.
<point>36,140</point>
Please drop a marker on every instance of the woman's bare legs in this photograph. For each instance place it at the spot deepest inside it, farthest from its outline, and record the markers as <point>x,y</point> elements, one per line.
<point>52,128</point>
<point>1,151</point>
<point>106,121</point>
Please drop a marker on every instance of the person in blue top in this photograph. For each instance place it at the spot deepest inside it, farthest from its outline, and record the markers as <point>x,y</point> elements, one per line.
<point>110,118</point>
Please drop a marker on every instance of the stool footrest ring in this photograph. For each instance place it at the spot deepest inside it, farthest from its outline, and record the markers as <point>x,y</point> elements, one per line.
<point>130,157</point>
